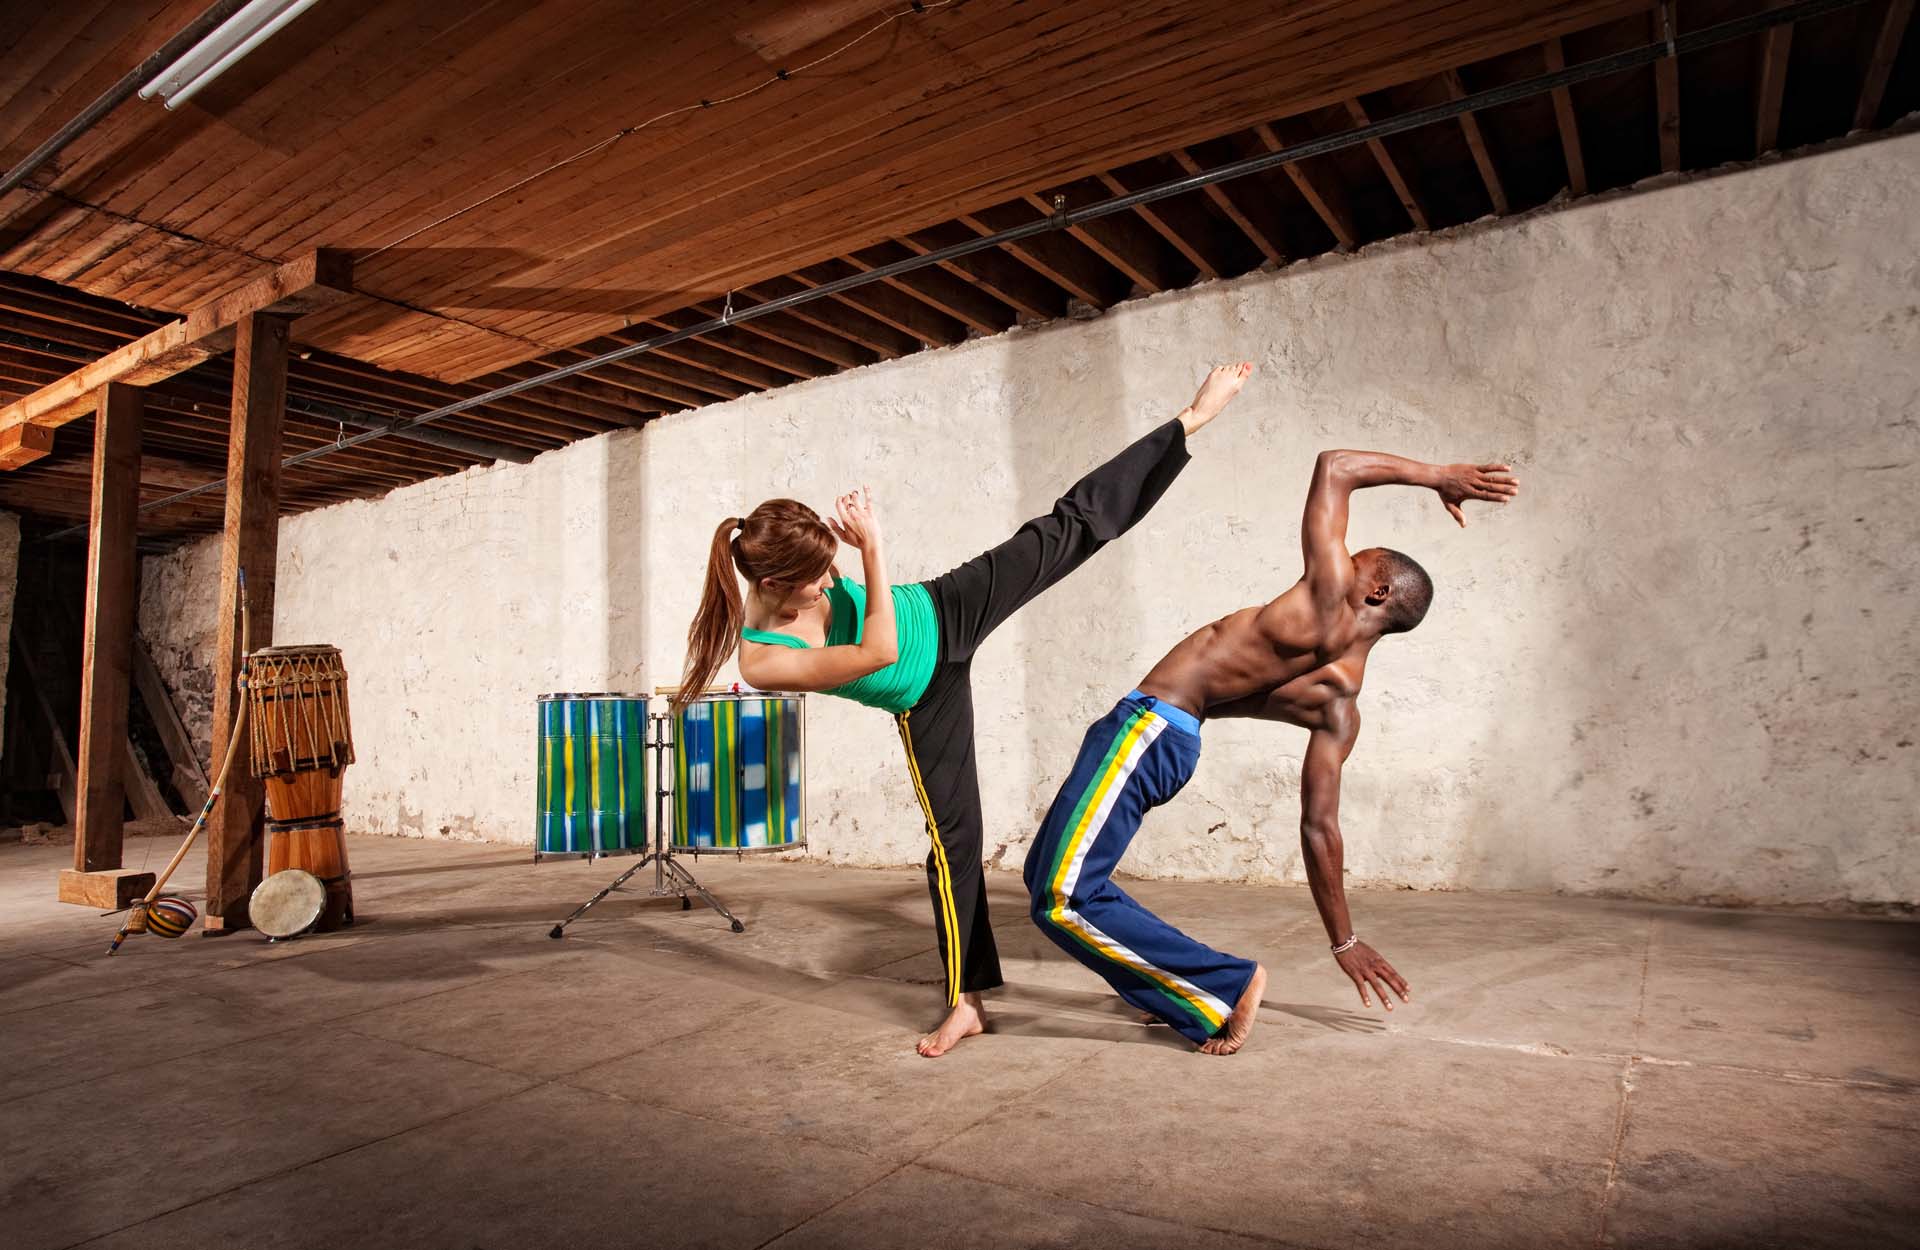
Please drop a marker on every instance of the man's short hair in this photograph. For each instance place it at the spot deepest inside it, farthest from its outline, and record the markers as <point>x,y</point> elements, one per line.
<point>1409,590</point>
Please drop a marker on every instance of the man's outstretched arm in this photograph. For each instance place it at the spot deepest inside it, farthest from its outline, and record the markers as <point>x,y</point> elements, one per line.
<point>1337,474</point>
<point>1327,751</point>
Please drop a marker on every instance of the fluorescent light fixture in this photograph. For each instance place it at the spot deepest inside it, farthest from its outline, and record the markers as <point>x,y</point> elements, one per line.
<point>232,39</point>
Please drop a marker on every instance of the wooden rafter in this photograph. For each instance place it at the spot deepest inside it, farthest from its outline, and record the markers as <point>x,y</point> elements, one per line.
<point>1666,86</point>
<point>994,272</point>
<point>1477,143</point>
<point>802,336</point>
<point>1269,247</point>
<point>1325,195</point>
<point>1122,243</point>
<point>1556,58</point>
<point>836,318</point>
<point>315,280</point>
<point>1061,261</point>
<point>1402,187</point>
<point>1886,46</point>
<point>694,354</point>
<point>1158,220</point>
<point>742,342</point>
<point>1775,47</point>
<point>909,316</point>
<point>939,290</point>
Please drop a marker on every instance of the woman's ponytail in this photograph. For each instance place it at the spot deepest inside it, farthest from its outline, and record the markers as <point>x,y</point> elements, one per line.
<point>715,631</point>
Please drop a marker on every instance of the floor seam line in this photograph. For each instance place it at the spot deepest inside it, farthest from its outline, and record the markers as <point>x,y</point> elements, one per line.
<point>306,1163</point>
<point>1624,1117</point>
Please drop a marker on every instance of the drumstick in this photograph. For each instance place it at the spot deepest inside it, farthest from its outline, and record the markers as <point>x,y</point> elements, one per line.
<point>238,735</point>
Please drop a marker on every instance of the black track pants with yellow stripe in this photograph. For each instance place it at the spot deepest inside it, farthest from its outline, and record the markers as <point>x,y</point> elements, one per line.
<point>971,602</point>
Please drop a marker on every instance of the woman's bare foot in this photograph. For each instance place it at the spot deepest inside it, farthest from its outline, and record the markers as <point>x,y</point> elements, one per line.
<point>1239,1026</point>
<point>965,1020</point>
<point>1222,384</point>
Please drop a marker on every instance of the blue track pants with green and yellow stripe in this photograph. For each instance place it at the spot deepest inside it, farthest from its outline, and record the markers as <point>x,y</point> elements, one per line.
<point>1134,759</point>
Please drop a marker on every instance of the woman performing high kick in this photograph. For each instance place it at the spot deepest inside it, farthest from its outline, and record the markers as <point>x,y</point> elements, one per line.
<point>908,650</point>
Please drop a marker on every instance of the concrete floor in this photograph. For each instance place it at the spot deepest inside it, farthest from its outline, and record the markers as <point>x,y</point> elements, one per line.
<point>1572,1073</point>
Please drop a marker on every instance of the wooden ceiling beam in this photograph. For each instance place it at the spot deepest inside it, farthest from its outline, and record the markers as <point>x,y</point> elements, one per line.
<point>697,355</point>
<point>313,281</point>
<point>1125,244</point>
<point>802,336</point>
<point>1323,193</point>
<point>1156,217</point>
<point>1666,88</point>
<point>1064,262</point>
<point>882,303</point>
<point>1776,45</point>
<point>1556,59</point>
<point>1477,143</point>
<point>608,405</point>
<point>993,271</point>
<point>939,289</point>
<point>1886,47</point>
<point>667,393</point>
<point>1383,157</point>
<point>1223,200</point>
<point>836,318</point>
<point>742,342</point>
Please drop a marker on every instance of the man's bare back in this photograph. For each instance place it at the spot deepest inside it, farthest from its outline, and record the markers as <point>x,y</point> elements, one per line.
<point>1277,661</point>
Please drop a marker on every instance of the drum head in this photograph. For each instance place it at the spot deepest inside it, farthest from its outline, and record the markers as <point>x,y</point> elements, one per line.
<point>288,903</point>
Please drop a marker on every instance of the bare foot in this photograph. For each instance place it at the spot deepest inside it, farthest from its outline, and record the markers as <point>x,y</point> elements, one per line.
<point>1233,1035</point>
<point>965,1020</point>
<point>1222,384</point>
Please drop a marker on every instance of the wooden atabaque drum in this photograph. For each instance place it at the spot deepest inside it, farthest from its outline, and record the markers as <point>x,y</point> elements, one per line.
<point>302,743</point>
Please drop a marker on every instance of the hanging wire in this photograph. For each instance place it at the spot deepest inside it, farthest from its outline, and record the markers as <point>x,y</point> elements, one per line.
<point>918,8</point>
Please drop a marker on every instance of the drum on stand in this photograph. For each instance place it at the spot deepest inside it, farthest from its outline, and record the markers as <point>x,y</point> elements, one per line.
<point>302,741</point>
<point>738,762</point>
<point>592,776</point>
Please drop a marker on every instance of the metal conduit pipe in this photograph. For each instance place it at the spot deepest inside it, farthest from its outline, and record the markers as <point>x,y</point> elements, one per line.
<point>1738,28</point>
<point>167,53</point>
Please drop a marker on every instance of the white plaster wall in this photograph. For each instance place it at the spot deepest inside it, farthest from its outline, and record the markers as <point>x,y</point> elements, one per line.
<point>1683,666</point>
<point>9,588</point>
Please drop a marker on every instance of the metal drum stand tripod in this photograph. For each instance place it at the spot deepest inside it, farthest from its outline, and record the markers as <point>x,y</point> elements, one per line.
<point>669,877</point>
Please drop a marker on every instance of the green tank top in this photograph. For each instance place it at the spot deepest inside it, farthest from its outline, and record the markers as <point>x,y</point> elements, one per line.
<point>899,685</point>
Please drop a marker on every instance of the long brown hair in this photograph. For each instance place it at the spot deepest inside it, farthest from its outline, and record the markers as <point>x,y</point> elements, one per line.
<point>782,540</point>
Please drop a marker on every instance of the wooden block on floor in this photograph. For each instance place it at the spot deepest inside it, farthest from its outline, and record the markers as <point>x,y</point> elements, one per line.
<point>109,889</point>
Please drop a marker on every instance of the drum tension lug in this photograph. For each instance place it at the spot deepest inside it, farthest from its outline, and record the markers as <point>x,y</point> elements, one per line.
<point>685,903</point>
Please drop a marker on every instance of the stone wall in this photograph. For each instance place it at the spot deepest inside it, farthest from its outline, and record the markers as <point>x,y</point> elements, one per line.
<point>1682,667</point>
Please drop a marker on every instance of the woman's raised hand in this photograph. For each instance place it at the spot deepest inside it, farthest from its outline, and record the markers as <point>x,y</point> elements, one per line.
<point>854,521</point>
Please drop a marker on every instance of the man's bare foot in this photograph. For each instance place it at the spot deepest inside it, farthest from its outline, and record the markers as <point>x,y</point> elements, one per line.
<point>1233,1035</point>
<point>1222,384</point>
<point>965,1020</point>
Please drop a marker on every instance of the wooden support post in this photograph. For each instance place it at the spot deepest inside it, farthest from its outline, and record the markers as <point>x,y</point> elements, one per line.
<point>107,655</point>
<point>251,542</point>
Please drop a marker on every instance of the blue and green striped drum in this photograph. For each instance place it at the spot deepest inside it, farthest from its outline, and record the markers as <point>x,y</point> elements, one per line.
<point>737,765</point>
<point>592,775</point>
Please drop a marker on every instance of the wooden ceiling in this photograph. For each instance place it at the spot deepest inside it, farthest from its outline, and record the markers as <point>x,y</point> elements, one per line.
<point>366,119</point>
<point>363,122</point>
